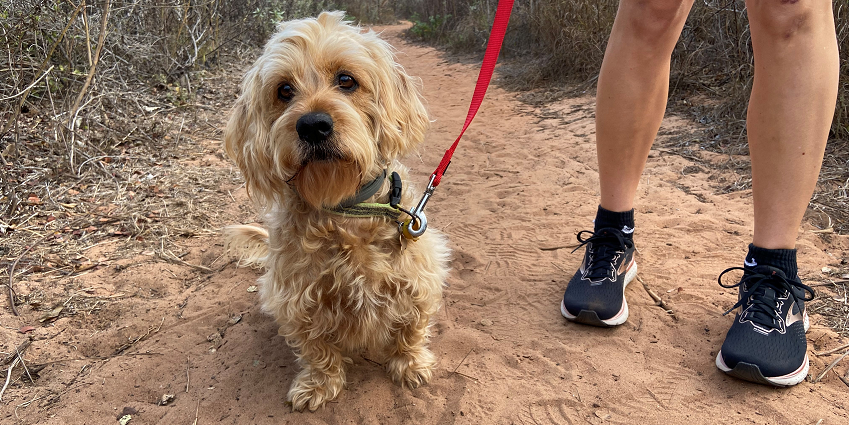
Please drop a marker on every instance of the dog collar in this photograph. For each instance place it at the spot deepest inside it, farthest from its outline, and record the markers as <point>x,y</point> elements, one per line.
<point>366,191</point>
<point>355,207</point>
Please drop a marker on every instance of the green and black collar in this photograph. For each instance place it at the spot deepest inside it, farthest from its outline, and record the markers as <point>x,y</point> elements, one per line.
<point>355,207</point>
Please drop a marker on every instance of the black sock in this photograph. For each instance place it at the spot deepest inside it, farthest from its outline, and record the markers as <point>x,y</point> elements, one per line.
<point>623,221</point>
<point>782,259</point>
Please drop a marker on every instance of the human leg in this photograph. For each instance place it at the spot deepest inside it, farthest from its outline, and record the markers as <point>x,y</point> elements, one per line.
<point>633,86</point>
<point>790,111</point>
<point>632,90</point>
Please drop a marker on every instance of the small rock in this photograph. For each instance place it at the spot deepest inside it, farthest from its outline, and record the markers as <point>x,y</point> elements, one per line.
<point>826,269</point>
<point>125,419</point>
<point>252,288</point>
<point>166,398</point>
<point>486,322</point>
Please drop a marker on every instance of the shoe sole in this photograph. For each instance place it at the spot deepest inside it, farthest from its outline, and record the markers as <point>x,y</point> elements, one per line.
<point>752,373</point>
<point>589,317</point>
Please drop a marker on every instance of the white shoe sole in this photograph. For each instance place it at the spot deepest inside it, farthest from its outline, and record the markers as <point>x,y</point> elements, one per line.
<point>750,372</point>
<point>591,318</point>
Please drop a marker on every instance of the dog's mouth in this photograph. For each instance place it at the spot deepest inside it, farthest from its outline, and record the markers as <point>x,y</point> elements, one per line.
<point>326,151</point>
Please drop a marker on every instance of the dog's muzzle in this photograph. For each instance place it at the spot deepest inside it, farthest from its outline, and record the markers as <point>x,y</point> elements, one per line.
<point>315,130</point>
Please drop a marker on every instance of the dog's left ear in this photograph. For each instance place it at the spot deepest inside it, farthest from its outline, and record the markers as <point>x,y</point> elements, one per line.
<point>404,119</point>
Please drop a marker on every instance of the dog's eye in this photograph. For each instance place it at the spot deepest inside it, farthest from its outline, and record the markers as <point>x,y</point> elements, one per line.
<point>285,92</point>
<point>347,82</point>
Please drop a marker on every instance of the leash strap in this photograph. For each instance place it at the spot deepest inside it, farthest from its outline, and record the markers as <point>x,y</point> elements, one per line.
<point>493,48</point>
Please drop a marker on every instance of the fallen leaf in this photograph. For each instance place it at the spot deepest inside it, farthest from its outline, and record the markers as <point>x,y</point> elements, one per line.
<point>84,267</point>
<point>26,329</point>
<point>52,314</point>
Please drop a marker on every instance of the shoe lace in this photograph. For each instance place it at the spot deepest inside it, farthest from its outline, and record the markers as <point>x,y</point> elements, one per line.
<point>764,290</point>
<point>607,243</point>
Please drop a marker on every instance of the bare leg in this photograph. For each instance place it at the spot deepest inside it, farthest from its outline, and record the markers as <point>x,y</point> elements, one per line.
<point>632,89</point>
<point>790,110</point>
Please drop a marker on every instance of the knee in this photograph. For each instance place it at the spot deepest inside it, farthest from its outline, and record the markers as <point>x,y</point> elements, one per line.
<point>783,19</point>
<point>655,20</point>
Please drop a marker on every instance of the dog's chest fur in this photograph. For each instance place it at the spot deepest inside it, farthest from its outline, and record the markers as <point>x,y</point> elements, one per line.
<point>350,277</point>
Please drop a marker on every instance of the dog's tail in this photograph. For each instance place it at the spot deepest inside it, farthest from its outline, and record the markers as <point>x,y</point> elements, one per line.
<point>249,243</point>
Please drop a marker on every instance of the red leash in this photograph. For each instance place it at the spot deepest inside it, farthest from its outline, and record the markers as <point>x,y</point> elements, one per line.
<point>416,225</point>
<point>493,47</point>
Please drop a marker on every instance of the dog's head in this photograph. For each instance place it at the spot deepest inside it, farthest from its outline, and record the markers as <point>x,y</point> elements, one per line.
<point>323,109</point>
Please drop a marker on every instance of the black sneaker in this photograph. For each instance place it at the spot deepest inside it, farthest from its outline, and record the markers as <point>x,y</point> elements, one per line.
<point>596,294</point>
<point>766,343</point>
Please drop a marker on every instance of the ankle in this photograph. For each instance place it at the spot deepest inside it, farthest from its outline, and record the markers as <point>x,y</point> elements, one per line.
<point>782,259</point>
<point>623,220</point>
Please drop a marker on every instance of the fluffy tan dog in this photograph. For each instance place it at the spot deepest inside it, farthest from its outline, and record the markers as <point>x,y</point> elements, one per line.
<point>324,115</point>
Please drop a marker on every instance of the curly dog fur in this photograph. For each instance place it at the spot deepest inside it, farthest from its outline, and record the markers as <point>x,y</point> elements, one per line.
<point>324,111</point>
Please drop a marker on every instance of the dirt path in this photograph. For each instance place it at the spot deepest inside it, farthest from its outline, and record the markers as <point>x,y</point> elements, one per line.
<point>522,183</point>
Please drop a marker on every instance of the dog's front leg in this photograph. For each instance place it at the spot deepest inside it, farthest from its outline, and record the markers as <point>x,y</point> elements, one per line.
<point>410,362</point>
<point>322,378</point>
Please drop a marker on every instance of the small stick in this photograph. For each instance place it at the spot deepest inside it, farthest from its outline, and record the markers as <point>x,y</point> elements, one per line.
<point>8,376</point>
<point>197,409</point>
<point>467,376</point>
<point>832,351</point>
<point>464,359</point>
<point>174,259</point>
<point>657,300</point>
<point>19,349</point>
<point>845,381</point>
<point>12,274</point>
<point>187,374</point>
<point>834,363</point>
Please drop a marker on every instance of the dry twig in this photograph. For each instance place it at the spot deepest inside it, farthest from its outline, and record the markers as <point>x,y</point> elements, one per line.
<point>832,351</point>
<point>17,357</point>
<point>657,300</point>
<point>12,274</point>
<point>73,113</point>
<point>829,367</point>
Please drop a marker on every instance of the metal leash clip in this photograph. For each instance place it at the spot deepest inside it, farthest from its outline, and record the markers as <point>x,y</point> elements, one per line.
<point>416,225</point>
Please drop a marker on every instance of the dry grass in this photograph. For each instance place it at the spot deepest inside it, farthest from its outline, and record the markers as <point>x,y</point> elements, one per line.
<point>141,199</point>
<point>111,120</point>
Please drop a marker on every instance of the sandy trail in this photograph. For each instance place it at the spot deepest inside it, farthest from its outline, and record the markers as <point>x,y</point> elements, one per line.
<point>522,183</point>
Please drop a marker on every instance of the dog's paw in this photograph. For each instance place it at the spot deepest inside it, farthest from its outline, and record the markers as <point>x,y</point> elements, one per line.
<point>307,393</point>
<point>412,369</point>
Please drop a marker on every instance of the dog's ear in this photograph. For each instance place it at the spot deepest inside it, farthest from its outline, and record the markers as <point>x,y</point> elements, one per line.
<point>246,142</point>
<point>404,120</point>
<point>331,19</point>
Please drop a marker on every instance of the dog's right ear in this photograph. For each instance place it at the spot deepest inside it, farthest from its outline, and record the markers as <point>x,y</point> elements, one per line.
<point>246,140</point>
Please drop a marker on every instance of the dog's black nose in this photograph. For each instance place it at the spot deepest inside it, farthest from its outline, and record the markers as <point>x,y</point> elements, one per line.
<point>314,127</point>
